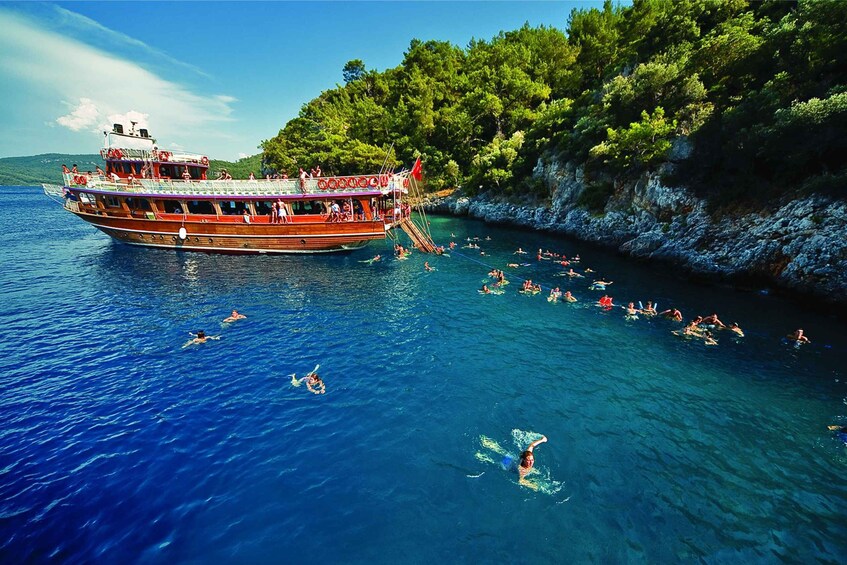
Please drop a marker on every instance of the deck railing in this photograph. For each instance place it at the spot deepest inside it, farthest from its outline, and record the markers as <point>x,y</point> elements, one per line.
<point>271,188</point>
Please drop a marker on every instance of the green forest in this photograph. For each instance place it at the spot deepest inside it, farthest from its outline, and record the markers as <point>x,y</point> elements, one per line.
<point>757,88</point>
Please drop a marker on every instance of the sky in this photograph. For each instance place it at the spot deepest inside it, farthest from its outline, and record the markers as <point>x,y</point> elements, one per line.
<point>210,77</point>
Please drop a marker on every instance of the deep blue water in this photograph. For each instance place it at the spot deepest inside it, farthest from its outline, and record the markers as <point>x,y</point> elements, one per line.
<point>119,445</point>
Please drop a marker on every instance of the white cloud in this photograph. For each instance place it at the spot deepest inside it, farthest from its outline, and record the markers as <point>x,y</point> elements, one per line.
<point>54,66</point>
<point>243,155</point>
<point>85,115</point>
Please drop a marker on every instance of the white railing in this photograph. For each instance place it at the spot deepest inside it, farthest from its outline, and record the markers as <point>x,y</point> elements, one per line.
<point>311,186</point>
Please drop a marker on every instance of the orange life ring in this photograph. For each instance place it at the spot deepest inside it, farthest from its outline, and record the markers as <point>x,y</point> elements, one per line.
<point>383,180</point>
<point>80,180</point>
<point>373,182</point>
<point>342,183</point>
<point>205,160</point>
<point>322,184</point>
<point>405,183</point>
<point>118,154</point>
<point>332,184</point>
<point>164,155</point>
<point>362,182</point>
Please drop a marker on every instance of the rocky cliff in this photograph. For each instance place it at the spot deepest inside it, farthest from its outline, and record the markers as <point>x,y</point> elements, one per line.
<point>798,244</point>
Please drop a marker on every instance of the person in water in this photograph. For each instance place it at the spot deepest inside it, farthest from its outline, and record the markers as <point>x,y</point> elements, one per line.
<point>234,316</point>
<point>315,384</point>
<point>672,313</point>
<point>527,458</point>
<point>427,267</point>
<point>200,337</point>
<point>733,327</point>
<point>799,337</point>
<point>569,297</point>
<point>485,289</point>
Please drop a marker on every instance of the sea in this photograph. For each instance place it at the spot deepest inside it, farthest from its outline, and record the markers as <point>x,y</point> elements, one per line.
<point>122,443</point>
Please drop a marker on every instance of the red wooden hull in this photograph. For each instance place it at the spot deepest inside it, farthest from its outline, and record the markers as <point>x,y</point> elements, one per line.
<point>241,238</point>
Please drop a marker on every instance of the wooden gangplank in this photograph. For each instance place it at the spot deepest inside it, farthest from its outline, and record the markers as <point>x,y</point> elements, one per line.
<point>419,239</point>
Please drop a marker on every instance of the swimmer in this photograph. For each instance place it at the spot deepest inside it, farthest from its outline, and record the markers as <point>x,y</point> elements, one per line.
<point>313,381</point>
<point>375,258</point>
<point>555,294</point>
<point>427,267</point>
<point>234,316</point>
<point>631,311</point>
<point>840,432</point>
<point>733,327</point>
<point>649,310</point>
<point>512,265</point>
<point>199,337</point>
<point>588,270</point>
<point>713,319</point>
<point>527,458</point>
<point>519,252</point>
<point>569,297</point>
<point>672,314</point>
<point>452,245</point>
<point>485,289</point>
<point>708,339</point>
<point>571,273</point>
<point>799,337</point>
<point>600,285</point>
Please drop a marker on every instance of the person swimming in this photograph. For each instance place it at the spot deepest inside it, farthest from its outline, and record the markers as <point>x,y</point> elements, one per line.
<point>312,379</point>
<point>485,289</point>
<point>427,266</point>
<point>733,327</point>
<point>569,297</point>
<point>600,285</point>
<point>527,458</point>
<point>199,337</point>
<point>234,316</point>
<point>672,314</point>
<point>799,337</point>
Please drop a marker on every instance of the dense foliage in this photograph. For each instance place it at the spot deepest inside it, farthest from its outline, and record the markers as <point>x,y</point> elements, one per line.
<point>47,168</point>
<point>758,88</point>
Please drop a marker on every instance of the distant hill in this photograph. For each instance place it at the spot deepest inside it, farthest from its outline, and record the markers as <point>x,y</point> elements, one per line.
<point>37,169</point>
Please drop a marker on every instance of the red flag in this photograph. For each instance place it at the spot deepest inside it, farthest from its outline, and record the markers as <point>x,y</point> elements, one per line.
<point>416,170</point>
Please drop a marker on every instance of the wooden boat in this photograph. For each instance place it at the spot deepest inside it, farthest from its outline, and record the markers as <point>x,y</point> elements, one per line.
<point>156,198</point>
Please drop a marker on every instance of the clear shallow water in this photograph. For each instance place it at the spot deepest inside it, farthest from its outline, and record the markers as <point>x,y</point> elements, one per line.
<point>118,445</point>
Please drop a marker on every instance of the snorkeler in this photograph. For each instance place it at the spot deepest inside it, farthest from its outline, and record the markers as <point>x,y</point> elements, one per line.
<point>234,316</point>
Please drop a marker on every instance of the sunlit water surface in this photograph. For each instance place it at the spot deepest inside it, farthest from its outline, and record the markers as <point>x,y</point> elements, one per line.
<point>119,445</point>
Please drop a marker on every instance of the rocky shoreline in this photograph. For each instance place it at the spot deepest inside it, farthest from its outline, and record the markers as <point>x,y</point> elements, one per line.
<point>798,245</point>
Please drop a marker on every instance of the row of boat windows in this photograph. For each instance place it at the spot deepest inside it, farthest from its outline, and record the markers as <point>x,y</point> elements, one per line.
<point>170,171</point>
<point>228,208</point>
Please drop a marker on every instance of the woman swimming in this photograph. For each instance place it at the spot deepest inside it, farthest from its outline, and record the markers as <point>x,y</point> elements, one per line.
<point>234,316</point>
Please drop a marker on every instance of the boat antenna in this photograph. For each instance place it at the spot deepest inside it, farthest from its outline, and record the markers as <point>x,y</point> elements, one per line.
<point>385,161</point>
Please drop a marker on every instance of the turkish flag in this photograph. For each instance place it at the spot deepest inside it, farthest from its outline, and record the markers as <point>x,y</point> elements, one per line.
<point>416,170</point>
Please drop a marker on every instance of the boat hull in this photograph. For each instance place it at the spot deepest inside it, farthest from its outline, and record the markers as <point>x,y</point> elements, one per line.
<point>235,238</point>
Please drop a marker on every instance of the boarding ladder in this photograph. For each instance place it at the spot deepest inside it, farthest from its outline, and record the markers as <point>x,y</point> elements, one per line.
<point>420,240</point>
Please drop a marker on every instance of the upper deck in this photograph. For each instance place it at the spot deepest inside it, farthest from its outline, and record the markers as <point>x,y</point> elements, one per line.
<point>322,187</point>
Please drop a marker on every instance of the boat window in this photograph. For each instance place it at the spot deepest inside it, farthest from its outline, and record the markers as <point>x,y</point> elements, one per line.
<point>201,207</point>
<point>111,202</point>
<point>172,206</point>
<point>263,207</point>
<point>167,171</point>
<point>138,204</point>
<point>86,198</point>
<point>131,168</point>
<point>301,207</point>
<point>232,208</point>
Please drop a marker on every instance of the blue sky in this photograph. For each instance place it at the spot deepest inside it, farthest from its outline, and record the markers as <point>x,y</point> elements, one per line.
<point>211,77</point>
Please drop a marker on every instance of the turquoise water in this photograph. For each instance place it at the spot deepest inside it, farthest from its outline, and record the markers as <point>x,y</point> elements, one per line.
<point>120,445</point>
